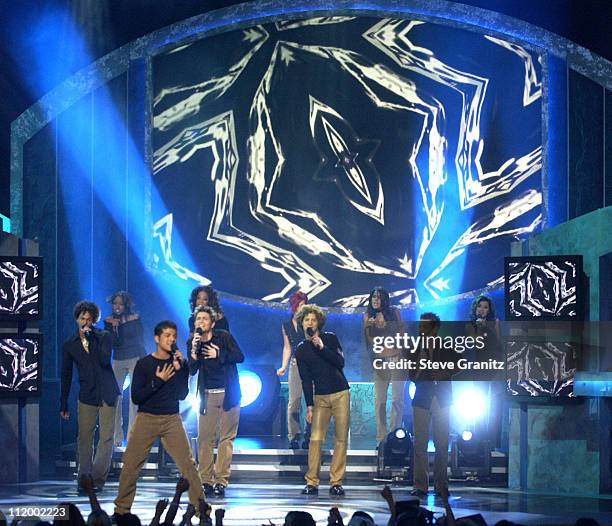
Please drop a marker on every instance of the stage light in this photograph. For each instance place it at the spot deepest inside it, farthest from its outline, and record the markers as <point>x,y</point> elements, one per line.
<point>250,387</point>
<point>411,390</point>
<point>466,435</point>
<point>194,402</point>
<point>470,404</point>
<point>260,388</point>
<point>470,458</point>
<point>395,456</point>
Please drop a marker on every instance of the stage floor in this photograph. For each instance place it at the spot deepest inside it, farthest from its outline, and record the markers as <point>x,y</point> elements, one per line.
<point>257,504</point>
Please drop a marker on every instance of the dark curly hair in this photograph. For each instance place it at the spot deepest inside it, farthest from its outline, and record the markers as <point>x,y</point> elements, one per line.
<point>128,302</point>
<point>311,308</point>
<point>213,299</point>
<point>477,300</point>
<point>87,306</point>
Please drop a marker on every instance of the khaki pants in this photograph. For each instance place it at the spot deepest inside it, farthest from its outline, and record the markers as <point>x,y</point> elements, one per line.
<point>123,368</point>
<point>294,404</point>
<point>216,424</point>
<point>335,405</point>
<point>439,417</point>
<point>146,428</point>
<point>382,378</point>
<point>86,419</point>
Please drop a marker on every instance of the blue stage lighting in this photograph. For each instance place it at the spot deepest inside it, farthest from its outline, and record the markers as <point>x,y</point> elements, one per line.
<point>470,404</point>
<point>250,387</point>
<point>411,390</point>
<point>126,383</point>
<point>400,433</point>
<point>466,435</point>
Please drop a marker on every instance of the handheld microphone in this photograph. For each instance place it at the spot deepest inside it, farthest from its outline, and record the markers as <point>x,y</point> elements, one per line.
<point>87,332</point>
<point>199,331</point>
<point>310,332</point>
<point>173,349</point>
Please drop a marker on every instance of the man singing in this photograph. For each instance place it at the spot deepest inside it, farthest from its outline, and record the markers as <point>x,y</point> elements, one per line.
<point>90,350</point>
<point>214,354</point>
<point>160,381</point>
<point>320,363</point>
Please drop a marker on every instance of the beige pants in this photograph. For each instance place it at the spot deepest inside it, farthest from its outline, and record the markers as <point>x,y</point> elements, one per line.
<point>294,404</point>
<point>382,379</point>
<point>335,405</point>
<point>87,415</point>
<point>146,428</point>
<point>439,418</point>
<point>216,424</point>
<point>122,369</point>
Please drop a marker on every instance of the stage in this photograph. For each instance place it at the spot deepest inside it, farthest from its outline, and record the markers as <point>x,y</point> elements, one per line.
<point>257,504</point>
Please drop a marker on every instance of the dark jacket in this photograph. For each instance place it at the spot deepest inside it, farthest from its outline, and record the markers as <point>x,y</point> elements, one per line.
<point>97,382</point>
<point>229,355</point>
<point>127,338</point>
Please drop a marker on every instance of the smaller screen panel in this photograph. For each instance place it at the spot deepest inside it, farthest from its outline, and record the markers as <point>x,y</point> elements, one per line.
<point>544,287</point>
<point>541,368</point>
<point>20,288</point>
<point>20,365</point>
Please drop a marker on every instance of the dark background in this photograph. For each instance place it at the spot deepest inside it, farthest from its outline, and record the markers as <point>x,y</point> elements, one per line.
<point>109,24</point>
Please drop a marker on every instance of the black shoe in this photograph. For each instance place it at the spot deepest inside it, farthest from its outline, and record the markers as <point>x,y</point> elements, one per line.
<point>294,444</point>
<point>418,493</point>
<point>310,490</point>
<point>115,518</point>
<point>219,490</point>
<point>208,489</point>
<point>336,491</point>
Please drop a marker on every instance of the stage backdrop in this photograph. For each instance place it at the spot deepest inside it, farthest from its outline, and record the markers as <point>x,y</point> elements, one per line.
<point>334,154</point>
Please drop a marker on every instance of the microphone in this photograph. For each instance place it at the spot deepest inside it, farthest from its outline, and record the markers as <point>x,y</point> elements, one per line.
<point>199,331</point>
<point>87,332</point>
<point>173,349</point>
<point>310,332</point>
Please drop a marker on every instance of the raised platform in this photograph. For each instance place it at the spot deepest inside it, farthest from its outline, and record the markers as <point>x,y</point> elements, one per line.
<point>263,459</point>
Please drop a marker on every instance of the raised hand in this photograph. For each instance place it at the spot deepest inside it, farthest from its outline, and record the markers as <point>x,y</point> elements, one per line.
<point>161,505</point>
<point>219,514</point>
<point>166,372</point>
<point>182,485</point>
<point>189,513</point>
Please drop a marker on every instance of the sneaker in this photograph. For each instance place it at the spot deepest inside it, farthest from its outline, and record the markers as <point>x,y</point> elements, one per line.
<point>208,489</point>
<point>418,493</point>
<point>336,490</point>
<point>310,490</point>
<point>219,490</point>
<point>294,444</point>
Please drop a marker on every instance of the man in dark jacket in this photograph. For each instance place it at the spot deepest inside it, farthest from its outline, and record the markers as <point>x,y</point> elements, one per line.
<point>214,354</point>
<point>90,350</point>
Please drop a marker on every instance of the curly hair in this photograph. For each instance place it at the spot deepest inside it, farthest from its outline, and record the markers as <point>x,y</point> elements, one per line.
<point>213,299</point>
<point>295,299</point>
<point>474,305</point>
<point>87,306</point>
<point>311,309</point>
<point>128,302</point>
<point>205,308</point>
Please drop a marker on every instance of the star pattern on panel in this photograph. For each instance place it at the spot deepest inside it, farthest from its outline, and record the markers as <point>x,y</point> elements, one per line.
<point>354,173</point>
<point>19,288</point>
<point>19,359</point>
<point>393,38</point>
<point>348,160</point>
<point>542,289</point>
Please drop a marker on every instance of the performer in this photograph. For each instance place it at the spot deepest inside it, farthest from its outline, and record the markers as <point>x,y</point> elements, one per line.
<point>383,320</point>
<point>90,350</point>
<point>431,403</point>
<point>293,334</point>
<point>320,363</point>
<point>483,322</point>
<point>125,328</point>
<point>214,354</point>
<point>160,381</point>
<point>206,296</point>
